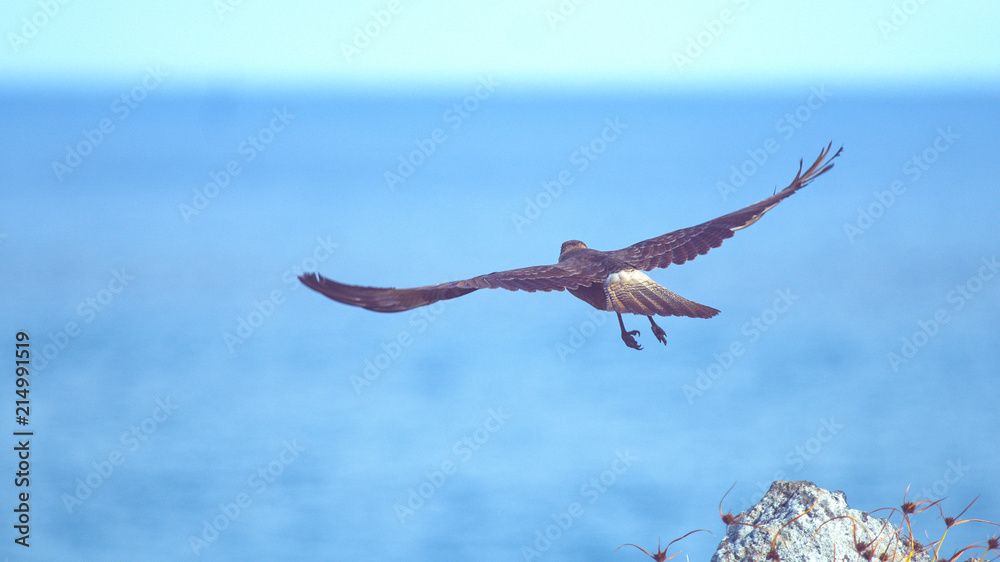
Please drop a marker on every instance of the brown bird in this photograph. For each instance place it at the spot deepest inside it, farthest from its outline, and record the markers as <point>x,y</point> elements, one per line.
<point>612,281</point>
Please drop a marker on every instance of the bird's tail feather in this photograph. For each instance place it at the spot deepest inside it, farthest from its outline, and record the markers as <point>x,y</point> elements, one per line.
<point>642,295</point>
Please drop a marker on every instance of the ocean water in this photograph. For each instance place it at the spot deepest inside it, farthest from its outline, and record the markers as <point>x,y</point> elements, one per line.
<point>190,400</point>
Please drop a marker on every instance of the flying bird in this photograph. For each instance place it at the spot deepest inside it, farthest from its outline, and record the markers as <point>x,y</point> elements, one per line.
<point>613,281</point>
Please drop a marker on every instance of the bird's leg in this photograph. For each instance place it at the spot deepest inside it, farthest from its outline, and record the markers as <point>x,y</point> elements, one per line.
<point>658,331</point>
<point>627,337</point>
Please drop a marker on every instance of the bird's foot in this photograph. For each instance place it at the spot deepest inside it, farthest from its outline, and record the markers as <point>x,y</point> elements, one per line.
<point>629,340</point>
<point>659,333</point>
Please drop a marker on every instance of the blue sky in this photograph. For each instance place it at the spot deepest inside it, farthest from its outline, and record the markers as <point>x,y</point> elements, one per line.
<point>555,44</point>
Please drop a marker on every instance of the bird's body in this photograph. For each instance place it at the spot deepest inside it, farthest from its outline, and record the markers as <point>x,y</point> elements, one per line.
<point>612,281</point>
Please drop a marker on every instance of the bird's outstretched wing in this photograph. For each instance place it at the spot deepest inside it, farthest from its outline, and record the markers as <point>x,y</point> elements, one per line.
<point>537,278</point>
<point>688,243</point>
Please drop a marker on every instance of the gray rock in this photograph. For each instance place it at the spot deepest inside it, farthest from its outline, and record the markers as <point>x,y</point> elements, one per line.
<point>800,522</point>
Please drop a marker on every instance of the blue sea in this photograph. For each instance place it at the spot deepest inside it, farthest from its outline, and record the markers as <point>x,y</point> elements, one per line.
<point>189,399</point>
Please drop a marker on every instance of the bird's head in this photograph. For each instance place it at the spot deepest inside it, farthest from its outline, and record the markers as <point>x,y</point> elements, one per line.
<point>569,246</point>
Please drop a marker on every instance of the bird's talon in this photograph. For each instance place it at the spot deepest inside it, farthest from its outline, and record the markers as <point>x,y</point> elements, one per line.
<point>660,334</point>
<point>629,340</point>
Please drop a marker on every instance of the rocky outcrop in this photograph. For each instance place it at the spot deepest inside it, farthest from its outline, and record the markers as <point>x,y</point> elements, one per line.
<point>800,522</point>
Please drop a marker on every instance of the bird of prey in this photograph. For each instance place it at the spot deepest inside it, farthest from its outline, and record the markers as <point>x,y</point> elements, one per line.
<point>613,281</point>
